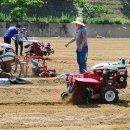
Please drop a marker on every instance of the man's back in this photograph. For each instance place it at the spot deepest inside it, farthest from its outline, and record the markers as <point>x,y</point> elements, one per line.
<point>11,32</point>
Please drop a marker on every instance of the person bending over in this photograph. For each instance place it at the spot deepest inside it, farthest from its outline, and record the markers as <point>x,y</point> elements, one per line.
<point>11,32</point>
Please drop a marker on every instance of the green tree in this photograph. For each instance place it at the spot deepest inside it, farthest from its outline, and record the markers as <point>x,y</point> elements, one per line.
<point>18,8</point>
<point>89,10</point>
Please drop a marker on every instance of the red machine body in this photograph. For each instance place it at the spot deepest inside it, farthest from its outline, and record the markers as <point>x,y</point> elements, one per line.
<point>97,80</point>
<point>104,80</point>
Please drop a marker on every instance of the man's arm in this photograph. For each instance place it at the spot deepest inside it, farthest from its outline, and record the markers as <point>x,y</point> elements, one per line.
<point>72,40</point>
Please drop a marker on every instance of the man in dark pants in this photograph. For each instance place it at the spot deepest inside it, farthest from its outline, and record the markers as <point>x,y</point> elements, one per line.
<point>20,43</point>
<point>12,31</point>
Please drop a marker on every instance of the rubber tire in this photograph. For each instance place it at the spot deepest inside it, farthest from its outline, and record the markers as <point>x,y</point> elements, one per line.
<point>107,89</point>
<point>0,66</point>
<point>17,62</point>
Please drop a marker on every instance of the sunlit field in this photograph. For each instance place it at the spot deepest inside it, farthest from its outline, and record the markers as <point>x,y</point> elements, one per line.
<point>39,105</point>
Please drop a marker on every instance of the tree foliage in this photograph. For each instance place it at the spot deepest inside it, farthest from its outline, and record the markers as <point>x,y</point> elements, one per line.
<point>18,8</point>
<point>89,10</point>
<point>21,3</point>
<point>19,14</point>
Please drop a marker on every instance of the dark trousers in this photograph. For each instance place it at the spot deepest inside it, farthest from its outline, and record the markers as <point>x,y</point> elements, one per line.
<point>18,43</point>
<point>7,40</point>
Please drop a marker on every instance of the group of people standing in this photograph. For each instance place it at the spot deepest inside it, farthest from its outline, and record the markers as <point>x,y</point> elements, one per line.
<point>80,38</point>
<point>17,33</point>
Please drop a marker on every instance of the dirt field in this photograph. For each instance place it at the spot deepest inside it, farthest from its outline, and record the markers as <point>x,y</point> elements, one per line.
<point>38,106</point>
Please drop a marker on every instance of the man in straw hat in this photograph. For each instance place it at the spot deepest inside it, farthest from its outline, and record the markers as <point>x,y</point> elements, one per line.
<point>82,44</point>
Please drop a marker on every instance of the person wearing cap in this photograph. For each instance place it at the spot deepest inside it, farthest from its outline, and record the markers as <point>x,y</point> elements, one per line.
<point>82,44</point>
<point>22,34</point>
<point>12,31</point>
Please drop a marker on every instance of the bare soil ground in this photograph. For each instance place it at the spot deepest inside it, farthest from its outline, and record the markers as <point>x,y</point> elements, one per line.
<point>38,106</point>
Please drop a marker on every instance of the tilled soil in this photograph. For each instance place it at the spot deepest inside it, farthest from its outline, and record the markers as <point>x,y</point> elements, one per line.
<point>38,106</point>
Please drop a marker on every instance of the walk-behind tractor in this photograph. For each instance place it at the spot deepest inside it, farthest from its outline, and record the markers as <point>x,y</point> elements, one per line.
<point>103,81</point>
<point>35,48</point>
<point>37,53</point>
<point>9,62</point>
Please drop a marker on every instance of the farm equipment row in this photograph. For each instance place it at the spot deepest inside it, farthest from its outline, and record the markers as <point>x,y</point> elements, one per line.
<point>104,80</point>
<point>36,52</point>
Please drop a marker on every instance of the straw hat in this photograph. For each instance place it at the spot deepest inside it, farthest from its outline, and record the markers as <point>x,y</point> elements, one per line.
<point>78,21</point>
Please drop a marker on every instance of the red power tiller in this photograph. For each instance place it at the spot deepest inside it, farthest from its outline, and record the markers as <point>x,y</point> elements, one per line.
<point>38,51</point>
<point>104,80</point>
<point>9,62</point>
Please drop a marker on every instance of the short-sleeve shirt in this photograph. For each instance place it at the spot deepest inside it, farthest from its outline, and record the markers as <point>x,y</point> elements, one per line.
<point>11,32</point>
<point>79,35</point>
